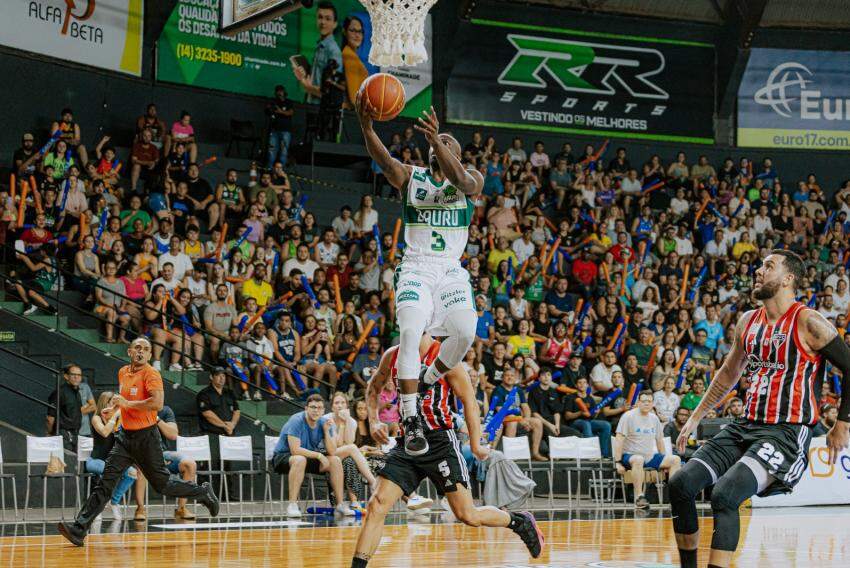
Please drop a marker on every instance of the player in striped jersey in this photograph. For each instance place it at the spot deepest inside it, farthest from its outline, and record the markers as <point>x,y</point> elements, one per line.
<point>778,354</point>
<point>444,464</point>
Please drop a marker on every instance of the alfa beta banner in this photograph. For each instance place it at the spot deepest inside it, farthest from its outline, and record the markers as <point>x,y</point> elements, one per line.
<point>190,51</point>
<point>562,80</point>
<point>101,33</point>
<point>795,99</point>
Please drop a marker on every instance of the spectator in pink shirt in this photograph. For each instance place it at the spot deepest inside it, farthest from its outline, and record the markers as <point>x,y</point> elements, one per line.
<point>182,131</point>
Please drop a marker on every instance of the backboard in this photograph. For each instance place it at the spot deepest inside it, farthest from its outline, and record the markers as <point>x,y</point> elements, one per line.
<point>240,15</point>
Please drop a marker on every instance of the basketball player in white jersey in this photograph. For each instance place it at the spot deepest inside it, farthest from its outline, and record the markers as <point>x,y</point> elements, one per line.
<point>432,290</point>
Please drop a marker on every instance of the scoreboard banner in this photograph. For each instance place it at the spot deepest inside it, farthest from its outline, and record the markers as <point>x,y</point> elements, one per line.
<point>561,80</point>
<point>104,33</point>
<point>191,51</point>
<point>795,99</point>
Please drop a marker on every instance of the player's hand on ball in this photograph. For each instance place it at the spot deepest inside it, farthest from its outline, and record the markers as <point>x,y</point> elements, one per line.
<point>380,433</point>
<point>837,439</point>
<point>429,126</point>
<point>364,109</point>
<point>685,433</point>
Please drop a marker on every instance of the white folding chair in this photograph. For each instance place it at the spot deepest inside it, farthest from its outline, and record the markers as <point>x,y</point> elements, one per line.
<point>236,449</point>
<point>195,448</point>
<point>85,446</point>
<point>39,452</point>
<point>563,450</point>
<point>590,451</point>
<point>270,443</point>
<point>11,477</point>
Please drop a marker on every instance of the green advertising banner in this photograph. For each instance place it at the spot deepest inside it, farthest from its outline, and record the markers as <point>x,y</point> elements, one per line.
<point>190,51</point>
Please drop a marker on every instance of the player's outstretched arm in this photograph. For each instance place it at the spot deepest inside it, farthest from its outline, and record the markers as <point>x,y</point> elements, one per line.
<point>461,386</point>
<point>725,378</point>
<point>395,172</point>
<point>821,336</point>
<point>470,182</point>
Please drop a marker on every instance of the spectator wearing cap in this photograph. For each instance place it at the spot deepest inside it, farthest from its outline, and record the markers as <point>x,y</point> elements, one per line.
<point>218,408</point>
<point>25,157</point>
<point>828,416</point>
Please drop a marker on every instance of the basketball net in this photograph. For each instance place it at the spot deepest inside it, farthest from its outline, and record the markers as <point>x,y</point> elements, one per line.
<point>398,31</point>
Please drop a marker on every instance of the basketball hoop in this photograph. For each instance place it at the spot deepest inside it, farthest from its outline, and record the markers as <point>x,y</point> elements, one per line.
<point>398,31</point>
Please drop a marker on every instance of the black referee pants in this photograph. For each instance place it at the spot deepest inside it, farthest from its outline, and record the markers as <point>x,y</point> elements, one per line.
<point>142,448</point>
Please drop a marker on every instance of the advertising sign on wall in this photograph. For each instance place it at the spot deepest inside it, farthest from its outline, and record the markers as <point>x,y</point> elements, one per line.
<point>101,33</point>
<point>562,80</point>
<point>795,99</point>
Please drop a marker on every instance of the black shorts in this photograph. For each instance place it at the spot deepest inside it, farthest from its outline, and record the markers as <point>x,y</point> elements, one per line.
<point>444,464</point>
<point>280,462</point>
<point>783,450</point>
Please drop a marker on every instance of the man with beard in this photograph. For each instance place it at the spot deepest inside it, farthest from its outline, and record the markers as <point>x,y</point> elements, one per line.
<point>828,416</point>
<point>432,290</point>
<point>780,350</point>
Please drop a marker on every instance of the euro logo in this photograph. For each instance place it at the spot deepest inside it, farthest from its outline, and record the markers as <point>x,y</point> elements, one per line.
<point>584,67</point>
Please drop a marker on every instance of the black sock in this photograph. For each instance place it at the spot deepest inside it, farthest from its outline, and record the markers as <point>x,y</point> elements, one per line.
<point>516,521</point>
<point>358,562</point>
<point>688,558</point>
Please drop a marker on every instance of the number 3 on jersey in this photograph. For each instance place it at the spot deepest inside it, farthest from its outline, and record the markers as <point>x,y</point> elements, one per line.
<point>438,244</point>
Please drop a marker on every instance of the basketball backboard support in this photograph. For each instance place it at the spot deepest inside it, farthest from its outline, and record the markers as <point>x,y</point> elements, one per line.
<point>240,15</point>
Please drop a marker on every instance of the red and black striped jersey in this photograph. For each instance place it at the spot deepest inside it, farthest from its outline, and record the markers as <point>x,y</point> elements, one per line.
<point>783,379</point>
<point>436,403</point>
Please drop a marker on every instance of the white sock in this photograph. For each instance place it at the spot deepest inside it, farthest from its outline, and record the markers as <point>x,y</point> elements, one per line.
<point>432,375</point>
<point>408,405</point>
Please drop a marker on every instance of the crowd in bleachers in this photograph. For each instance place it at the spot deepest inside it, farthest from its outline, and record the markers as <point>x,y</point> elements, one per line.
<point>595,275</point>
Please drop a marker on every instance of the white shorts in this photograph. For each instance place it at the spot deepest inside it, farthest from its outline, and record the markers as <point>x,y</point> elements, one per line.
<point>436,287</point>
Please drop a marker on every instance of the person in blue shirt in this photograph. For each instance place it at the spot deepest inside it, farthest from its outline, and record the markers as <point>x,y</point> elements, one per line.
<point>713,328</point>
<point>326,49</point>
<point>484,328</point>
<point>306,445</point>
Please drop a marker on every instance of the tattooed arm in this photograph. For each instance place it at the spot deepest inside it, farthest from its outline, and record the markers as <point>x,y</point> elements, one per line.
<point>817,334</point>
<point>725,378</point>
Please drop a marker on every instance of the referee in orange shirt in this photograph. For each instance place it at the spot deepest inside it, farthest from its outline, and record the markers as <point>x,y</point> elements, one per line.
<point>140,397</point>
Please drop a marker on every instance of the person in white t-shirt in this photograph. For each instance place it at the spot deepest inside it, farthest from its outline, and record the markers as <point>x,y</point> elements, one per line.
<point>302,262</point>
<point>639,445</point>
<point>523,248</point>
<point>178,259</point>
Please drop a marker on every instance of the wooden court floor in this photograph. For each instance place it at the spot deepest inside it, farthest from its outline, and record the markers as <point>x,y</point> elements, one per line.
<point>814,537</point>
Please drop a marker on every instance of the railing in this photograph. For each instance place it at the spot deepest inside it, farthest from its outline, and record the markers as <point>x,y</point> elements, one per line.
<point>61,304</point>
<point>31,398</point>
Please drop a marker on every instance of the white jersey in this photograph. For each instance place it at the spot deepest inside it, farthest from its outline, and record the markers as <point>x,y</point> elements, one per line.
<point>436,218</point>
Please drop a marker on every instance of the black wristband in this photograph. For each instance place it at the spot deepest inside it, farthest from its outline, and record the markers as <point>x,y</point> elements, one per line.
<point>838,353</point>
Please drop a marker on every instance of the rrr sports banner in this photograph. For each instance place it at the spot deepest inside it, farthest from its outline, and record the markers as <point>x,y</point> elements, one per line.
<point>561,80</point>
<point>795,99</point>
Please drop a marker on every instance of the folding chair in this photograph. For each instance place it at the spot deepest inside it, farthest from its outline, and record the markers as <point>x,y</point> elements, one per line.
<point>195,448</point>
<point>517,449</point>
<point>564,451</point>
<point>268,496</point>
<point>11,477</point>
<point>236,449</point>
<point>39,451</point>
<point>590,452</point>
<point>85,445</point>
<point>650,476</point>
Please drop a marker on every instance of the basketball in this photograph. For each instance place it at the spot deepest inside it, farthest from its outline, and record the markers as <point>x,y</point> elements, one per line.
<point>386,95</point>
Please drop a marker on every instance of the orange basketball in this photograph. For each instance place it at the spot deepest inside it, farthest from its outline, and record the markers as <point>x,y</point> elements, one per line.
<point>386,95</point>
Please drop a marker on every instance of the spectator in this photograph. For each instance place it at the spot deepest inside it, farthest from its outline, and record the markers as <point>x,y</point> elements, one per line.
<point>256,287</point>
<point>218,412</point>
<point>306,445</point>
<point>600,375</point>
<point>580,419</point>
<point>330,104</point>
<point>37,277</point>
<point>70,134</point>
<point>692,399</point>
<point>639,445</point>
<point>354,463</point>
<point>666,401</point>
<point>150,121</point>
<point>110,303</point>
<point>104,423</point>
<point>280,111</point>
<point>144,158</point>
<point>68,402</point>
<point>326,50</point>
<point>182,132</point>
<point>519,407</point>
<point>24,158</point>
<point>547,405</point>
<point>301,262</point>
<point>828,416</point>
